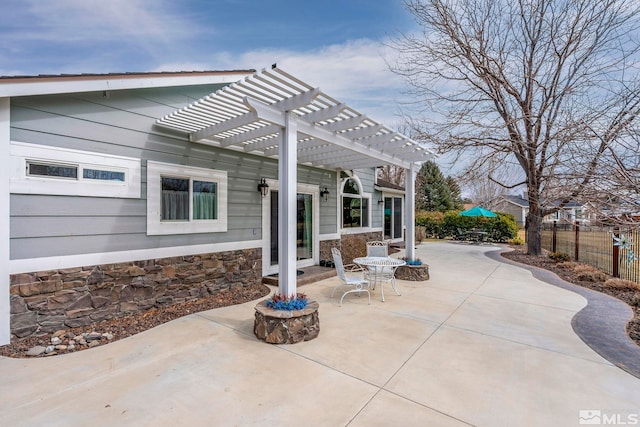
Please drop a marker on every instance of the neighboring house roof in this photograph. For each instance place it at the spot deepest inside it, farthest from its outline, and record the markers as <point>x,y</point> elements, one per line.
<point>386,184</point>
<point>517,200</point>
<point>522,202</point>
<point>46,84</point>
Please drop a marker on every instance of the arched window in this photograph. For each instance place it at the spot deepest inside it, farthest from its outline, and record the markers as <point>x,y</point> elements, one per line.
<point>355,206</point>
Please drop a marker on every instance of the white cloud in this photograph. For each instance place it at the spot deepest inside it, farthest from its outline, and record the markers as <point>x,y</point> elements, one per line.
<point>78,20</point>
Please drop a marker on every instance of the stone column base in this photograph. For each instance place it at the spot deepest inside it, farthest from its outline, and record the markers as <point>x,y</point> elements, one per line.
<point>414,273</point>
<point>284,326</point>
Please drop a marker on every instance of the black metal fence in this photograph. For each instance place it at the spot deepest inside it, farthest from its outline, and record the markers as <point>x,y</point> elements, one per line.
<point>610,249</point>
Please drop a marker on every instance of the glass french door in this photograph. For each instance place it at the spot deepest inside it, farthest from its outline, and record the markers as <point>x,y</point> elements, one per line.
<point>304,227</point>
<point>393,217</point>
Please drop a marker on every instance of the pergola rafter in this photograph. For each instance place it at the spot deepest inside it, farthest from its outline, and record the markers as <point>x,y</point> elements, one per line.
<point>228,117</point>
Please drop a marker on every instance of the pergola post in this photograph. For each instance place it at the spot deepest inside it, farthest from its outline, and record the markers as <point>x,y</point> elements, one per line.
<point>410,214</point>
<point>287,186</point>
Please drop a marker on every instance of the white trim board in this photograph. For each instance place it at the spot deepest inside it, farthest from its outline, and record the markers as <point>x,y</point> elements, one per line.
<point>332,236</point>
<point>5,304</point>
<point>388,190</point>
<point>360,230</point>
<point>60,84</point>
<point>29,265</point>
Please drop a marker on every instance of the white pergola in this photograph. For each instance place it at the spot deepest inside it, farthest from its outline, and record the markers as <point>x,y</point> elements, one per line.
<point>274,114</point>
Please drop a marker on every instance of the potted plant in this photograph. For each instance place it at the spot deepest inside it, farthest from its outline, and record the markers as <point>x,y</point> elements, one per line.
<point>286,319</point>
<point>283,302</point>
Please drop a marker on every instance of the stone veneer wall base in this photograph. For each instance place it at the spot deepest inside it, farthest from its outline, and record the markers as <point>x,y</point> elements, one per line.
<point>47,301</point>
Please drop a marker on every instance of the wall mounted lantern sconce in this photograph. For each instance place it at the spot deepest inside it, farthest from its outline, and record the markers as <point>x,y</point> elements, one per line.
<point>263,187</point>
<point>381,201</point>
<point>324,193</point>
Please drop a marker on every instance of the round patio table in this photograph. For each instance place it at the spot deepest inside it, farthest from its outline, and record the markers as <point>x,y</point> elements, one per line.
<point>382,269</point>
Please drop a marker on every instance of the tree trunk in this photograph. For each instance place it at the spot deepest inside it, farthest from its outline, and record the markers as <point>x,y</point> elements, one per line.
<point>533,230</point>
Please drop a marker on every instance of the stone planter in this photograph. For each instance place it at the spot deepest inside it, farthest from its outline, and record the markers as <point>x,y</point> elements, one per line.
<point>284,326</point>
<point>414,273</point>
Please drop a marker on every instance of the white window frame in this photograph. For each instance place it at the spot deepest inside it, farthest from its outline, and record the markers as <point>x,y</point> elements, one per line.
<point>362,195</point>
<point>394,195</point>
<point>155,171</point>
<point>22,154</point>
<point>314,190</point>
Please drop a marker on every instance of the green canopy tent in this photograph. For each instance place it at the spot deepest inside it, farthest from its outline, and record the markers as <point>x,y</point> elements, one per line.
<point>478,211</point>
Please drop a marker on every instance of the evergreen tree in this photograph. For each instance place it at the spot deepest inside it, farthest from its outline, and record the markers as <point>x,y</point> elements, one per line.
<point>456,193</point>
<point>432,191</point>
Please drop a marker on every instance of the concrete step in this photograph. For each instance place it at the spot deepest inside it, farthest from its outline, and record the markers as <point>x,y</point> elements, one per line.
<point>309,275</point>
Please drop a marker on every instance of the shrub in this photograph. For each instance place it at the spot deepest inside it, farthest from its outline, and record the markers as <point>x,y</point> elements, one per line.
<point>442,225</point>
<point>559,256</point>
<point>430,222</point>
<point>517,241</point>
<point>501,228</point>
<point>622,284</point>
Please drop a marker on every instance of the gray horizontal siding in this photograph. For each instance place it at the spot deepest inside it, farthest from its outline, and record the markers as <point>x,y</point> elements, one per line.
<point>123,124</point>
<point>73,245</point>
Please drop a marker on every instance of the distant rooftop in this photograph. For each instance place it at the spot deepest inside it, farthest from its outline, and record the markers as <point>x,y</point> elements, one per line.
<point>387,184</point>
<point>521,201</point>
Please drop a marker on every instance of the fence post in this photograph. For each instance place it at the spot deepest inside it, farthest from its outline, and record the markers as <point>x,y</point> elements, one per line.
<point>554,238</point>
<point>576,249</point>
<point>616,254</point>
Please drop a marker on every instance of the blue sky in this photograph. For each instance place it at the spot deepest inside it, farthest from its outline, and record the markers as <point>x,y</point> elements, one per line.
<point>338,45</point>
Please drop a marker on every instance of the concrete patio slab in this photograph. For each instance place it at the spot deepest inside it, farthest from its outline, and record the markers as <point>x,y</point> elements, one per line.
<point>388,409</point>
<point>481,343</point>
<point>535,325</point>
<point>488,381</point>
<point>527,290</point>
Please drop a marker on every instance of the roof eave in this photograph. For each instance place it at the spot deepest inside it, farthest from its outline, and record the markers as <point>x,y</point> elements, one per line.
<point>60,84</point>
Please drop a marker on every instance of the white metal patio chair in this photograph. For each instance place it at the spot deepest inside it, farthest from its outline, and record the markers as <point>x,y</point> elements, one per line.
<point>386,274</point>
<point>377,248</point>
<point>359,284</point>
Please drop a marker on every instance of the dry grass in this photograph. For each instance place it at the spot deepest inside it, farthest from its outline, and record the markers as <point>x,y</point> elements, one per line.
<point>569,265</point>
<point>588,273</point>
<point>622,284</point>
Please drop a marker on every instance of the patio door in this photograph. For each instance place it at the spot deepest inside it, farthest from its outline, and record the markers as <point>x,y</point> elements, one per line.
<point>393,218</point>
<point>307,229</point>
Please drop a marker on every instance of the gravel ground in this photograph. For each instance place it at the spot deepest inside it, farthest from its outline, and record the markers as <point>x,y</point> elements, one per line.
<point>630,296</point>
<point>132,324</point>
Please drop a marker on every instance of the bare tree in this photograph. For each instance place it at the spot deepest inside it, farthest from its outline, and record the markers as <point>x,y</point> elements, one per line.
<point>392,174</point>
<point>486,185</point>
<point>550,85</point>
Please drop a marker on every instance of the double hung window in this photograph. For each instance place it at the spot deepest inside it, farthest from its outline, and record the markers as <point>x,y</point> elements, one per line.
<point>184,199</point>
